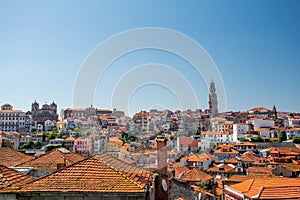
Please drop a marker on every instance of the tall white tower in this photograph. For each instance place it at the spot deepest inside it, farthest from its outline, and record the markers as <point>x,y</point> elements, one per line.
<point>213,100</point>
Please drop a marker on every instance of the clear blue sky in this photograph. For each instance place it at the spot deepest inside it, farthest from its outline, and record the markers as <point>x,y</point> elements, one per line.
<point>255,45</point>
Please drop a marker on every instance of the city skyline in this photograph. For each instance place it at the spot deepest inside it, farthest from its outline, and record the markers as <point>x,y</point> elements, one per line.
<point>255,45</point>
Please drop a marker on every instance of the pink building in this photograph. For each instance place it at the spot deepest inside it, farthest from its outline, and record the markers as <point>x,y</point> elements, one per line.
<point>81,146</point>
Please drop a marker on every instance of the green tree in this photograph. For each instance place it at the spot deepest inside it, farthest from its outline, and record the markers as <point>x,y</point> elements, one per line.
<point>24,146</point>
<point>296,139</point>
<point>37,145</point>
<point>282,136</point>
<point>31,145</point>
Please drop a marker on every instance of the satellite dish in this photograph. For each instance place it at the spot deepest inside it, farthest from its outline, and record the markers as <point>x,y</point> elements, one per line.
<point>164,185</point>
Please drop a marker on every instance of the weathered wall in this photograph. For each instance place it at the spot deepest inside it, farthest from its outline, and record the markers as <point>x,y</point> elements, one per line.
<point>180,189</point>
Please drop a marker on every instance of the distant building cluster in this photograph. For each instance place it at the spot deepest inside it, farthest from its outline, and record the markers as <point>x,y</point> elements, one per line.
<point>158,154</point>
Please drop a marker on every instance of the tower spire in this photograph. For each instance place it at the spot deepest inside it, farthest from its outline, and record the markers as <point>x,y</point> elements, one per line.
<point>213,100</point>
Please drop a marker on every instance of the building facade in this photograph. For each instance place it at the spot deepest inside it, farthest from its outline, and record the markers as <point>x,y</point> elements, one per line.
<point>12,120</point>
<point>47,112</point>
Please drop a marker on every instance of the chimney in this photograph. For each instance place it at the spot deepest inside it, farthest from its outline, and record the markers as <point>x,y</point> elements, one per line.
<point>162,165</point>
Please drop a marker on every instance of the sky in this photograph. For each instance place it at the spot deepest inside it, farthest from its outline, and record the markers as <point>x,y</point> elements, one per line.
<point>255,46</point>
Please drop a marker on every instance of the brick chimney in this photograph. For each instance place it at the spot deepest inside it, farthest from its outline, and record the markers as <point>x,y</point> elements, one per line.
<point>162,164</point>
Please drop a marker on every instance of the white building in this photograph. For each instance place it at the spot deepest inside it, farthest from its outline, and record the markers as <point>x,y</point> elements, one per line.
<point>239,128</point>
<point>262,123</point>
<point>292,132</point>
<point>214,137</point>
<point>12,120</point>
<point>293,122</point>
<point>226,126</point>
<point>261,111</point>
<point>49,125</point>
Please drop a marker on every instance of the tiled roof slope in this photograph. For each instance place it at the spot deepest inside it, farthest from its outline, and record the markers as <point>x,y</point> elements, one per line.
<point>89,175</point>
<point>287,187</point>
<point>137,174</point>
<point>10,157</point>
<point>280,193</point>
<point>9,177</point>
<point>195,175</point>
<point>49,161</point>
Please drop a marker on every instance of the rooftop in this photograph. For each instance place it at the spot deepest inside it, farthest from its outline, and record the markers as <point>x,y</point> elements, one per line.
<point>283,188</point>
<point>10,157</point>
<point>52,159</point>
<point>99,173</point>
<point>9,177</point>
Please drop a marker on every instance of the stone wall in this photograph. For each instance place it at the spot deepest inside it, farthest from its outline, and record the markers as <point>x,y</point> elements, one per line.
<point>265,145</point>
<point>180,189</point>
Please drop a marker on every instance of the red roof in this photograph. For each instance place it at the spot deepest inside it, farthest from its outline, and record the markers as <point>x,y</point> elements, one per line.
<point>10,157</point>
<point>12,178</point>
<point>194,144</point>
<point>94,174</point>
<point>185,141</point>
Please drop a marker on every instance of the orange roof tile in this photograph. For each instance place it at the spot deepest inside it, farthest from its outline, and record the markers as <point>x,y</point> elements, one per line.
<point>258,109</point>
<point>221,168</point>
<point>52,159</point>
<point>233,160</point>
<point>10,157</point>
<point>255,187</point>
<point>280,192</point>
<point>259,170</point>
<point>138,174</point>
<point>199,157</point>
<point>241,178</point>
<point>70,139</point>
<point>181,170</point>
<point>91,175</point>
<point>245,144</point>
<point>249,158</point>
<point>196,175</point>
<point>11,178</point>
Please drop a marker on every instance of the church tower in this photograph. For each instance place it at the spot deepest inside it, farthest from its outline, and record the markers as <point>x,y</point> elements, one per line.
<point>213,100</point>
<point>34,107</point>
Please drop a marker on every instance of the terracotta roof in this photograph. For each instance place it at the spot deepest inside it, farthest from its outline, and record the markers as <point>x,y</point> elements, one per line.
<point>137,174</point>
<point>259,170</point>
<point>196,175</point>
<point>10,157</point>
<point>262,187</point>
<point>249,158</point>
<point>226,149</point>
<point>287,150</point>
<point>233,160</point>
<point>52,159</point>
<point>280,193</point>
<point>91,175</point>
<point>245,144</point>
<point>199,157</point>
<point>11,178</point>
<point>258,109</point>
<point>249,153</point>
<point>221,168</point>
<point>70,139</point>
<point>181,170</point>
<point>11,111</point>
<point>241,178</point>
